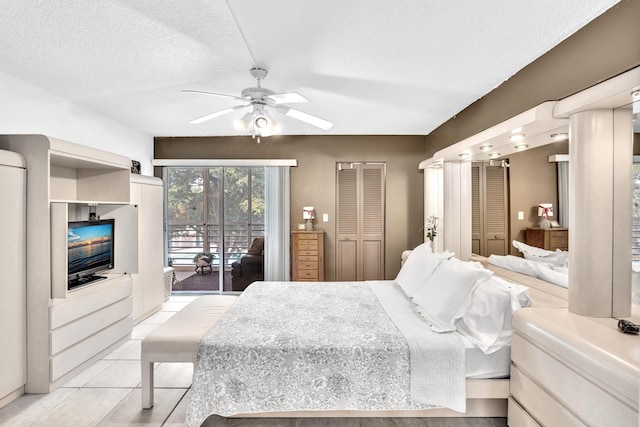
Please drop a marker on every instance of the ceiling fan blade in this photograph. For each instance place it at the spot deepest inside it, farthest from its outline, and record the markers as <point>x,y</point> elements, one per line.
<point>288,98</point>
<point>221,95</point>
<point>218,114</point>
<point>305,117</point>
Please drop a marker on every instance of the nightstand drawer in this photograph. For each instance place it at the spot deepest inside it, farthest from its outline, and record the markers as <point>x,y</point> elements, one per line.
<point>585,397</point>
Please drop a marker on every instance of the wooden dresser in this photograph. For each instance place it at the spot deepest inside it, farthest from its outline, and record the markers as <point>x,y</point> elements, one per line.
<point>307,253</point>
<point>549,239</point>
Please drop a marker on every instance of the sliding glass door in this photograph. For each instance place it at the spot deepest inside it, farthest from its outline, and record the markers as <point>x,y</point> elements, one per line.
<point>214,213</point>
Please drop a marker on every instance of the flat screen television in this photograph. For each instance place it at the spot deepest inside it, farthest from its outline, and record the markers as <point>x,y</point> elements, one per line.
<point>90,247</point>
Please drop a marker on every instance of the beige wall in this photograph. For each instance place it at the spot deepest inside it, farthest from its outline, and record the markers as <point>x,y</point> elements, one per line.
<point>606,47</point>
<point>313,181</point>
<point>532,180</point>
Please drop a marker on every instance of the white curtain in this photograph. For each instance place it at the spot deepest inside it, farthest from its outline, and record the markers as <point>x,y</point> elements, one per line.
<point>563,194</point>
<point>277,227</point>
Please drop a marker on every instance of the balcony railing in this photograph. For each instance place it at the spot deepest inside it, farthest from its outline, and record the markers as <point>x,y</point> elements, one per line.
<point>186,241</point>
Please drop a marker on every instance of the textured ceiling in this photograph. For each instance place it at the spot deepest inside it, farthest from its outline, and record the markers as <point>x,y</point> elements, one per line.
<point>370,67</point>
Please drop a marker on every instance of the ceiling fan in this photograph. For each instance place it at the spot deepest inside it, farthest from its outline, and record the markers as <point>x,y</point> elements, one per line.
<point>260,99</point>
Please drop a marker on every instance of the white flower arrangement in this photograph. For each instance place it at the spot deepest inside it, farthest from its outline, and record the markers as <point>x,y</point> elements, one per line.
<point>431,227</point>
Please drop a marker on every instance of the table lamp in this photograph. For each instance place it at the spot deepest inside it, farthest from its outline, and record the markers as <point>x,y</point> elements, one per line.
<point>308,214</point>
<point>545,210</point>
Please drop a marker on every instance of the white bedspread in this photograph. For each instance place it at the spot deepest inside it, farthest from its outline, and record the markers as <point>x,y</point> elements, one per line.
<point>437,360</point>
<point>292,346</point>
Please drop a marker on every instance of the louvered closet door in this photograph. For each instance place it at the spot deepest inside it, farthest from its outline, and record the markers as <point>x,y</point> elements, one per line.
<point>489,209</point>
<point>495,212</point>
<point>360,222</point>
<point>347,224</point>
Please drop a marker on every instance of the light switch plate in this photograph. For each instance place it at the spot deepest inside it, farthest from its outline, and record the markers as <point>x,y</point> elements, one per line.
<point>520,215</point>
<point>325,217</point>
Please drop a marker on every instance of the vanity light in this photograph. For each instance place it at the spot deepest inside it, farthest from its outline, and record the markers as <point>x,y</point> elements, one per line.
<point>486,147</point>
<point>559,136</point>
<point>494,155</point>
<point>516,137</point>
<point>521,146</point>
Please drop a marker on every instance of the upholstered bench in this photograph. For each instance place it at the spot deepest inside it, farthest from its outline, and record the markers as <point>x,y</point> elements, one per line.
<point>178,339</point>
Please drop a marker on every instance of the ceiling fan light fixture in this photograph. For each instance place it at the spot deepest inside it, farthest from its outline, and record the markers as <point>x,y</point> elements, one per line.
<point>243,122</point>
<point>261,122</point>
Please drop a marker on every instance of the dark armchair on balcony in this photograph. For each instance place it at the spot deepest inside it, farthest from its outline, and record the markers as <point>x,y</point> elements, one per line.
<point>250,267</point>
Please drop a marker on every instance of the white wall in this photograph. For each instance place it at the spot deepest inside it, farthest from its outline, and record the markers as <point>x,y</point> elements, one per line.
<point>28,109</point>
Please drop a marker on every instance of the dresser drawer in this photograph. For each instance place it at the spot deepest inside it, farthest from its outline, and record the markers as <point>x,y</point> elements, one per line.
<point>307,258</point>
<point>308,237</point>
<point>308,253</point>
<point>308,245</point>
<point>308,265</point>
<point>308,274</point>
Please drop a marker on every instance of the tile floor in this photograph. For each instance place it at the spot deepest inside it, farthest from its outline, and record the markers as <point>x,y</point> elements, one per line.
<point>108,394</point>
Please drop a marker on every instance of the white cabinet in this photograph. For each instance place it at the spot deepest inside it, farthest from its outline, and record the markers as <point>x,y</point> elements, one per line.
<point>572,370</point>
<point>13,356</point>
<point>64,178</point>
<point>148,284</point>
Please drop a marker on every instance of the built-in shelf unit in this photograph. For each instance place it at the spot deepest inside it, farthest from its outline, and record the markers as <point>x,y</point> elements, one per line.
<point>13,307</point>
<point>68,330</point>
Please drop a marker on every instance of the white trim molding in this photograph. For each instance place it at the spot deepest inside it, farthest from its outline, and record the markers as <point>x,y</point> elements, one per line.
<point>223,162</point>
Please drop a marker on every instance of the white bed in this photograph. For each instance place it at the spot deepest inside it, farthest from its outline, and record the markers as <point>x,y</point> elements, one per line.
<point>485,352</point>
<point>551,266</point>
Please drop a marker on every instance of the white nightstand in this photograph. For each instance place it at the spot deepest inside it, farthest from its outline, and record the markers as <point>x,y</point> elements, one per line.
<point>571,370</point>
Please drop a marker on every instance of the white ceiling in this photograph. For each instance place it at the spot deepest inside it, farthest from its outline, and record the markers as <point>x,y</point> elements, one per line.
<point>369,66</point>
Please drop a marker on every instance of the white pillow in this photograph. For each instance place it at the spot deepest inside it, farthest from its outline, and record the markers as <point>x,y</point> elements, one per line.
<point>418,268</point>
<point>447,293</point>
<point>487,321</point>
